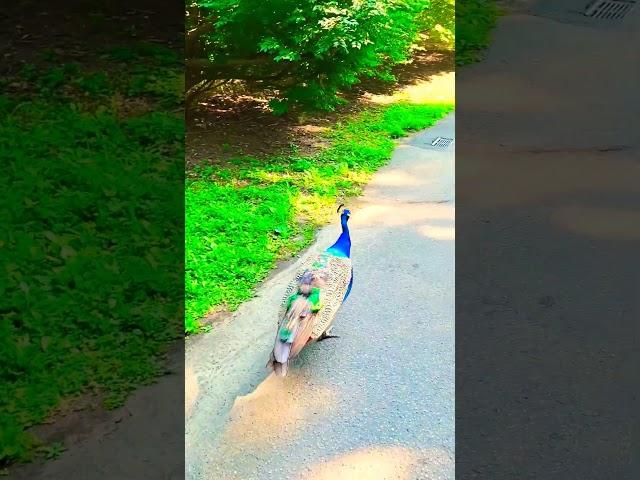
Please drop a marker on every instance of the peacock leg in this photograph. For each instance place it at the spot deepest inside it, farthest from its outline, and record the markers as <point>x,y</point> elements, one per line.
<point>326,335</point>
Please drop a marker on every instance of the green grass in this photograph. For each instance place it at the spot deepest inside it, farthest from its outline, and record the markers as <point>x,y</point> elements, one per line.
<point>475,20</point>
<point>90,248</point>
<point>242,218</point>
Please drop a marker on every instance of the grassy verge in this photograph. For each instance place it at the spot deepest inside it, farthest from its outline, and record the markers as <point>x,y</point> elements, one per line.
<point>92,169</point>
<point>243,217</point>
<point>475,20</point>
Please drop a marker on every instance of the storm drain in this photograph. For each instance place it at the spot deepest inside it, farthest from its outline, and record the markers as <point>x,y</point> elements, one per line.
<point>441,142</point>
<point>609,9</point>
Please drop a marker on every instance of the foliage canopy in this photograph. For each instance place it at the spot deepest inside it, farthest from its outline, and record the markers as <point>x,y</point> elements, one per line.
<point>308,50</point>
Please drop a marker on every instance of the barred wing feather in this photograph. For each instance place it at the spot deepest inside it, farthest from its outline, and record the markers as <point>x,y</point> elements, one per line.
<point>337,272</point>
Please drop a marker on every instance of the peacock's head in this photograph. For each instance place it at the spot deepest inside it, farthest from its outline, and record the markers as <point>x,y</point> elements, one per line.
<point>346,213</point>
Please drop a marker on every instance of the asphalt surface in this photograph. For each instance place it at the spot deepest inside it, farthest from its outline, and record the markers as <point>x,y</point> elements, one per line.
<point>376,403</point>
<point>547,182</point>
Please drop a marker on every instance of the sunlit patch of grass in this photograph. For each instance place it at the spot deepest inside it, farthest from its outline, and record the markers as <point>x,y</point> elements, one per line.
<point>242,218</point>
<point>438,89</point>
<point>314,208</point>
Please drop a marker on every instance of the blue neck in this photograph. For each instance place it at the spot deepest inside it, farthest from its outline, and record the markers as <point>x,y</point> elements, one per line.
<point>342,247</point>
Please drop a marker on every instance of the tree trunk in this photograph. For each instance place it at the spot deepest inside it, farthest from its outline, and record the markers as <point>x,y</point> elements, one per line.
<point>193,45</point>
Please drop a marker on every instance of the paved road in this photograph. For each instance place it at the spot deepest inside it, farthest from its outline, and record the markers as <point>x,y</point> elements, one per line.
<point>547,179</point>
<point>377,403</point>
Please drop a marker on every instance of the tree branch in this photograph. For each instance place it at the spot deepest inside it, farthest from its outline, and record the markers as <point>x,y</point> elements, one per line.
<point>193,44</point>
<point>254,69</point>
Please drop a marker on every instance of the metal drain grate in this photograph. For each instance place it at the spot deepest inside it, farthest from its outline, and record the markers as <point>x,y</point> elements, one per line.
<point>441,142</point>
<point>609,9</point>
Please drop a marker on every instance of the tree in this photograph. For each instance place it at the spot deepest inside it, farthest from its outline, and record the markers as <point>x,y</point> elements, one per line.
<point>439,21</point>
<point>307,50</point>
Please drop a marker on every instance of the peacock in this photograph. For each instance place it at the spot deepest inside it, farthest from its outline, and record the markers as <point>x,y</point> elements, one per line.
<point>313,298</point>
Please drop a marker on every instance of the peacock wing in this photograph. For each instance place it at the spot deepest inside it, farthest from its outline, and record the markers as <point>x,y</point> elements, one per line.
<point>337,273</point>
<point>338,276</point>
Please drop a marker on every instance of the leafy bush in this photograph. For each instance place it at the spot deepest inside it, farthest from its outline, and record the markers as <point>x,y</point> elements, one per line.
<point>474,21</point>
<point>439,22</point>
<point>308,49</point>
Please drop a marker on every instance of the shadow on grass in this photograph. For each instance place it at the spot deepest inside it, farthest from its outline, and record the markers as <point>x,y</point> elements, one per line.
<point>231,125</point>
